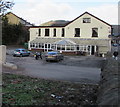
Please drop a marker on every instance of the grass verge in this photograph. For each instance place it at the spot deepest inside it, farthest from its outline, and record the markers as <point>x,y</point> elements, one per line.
<point>27,91</point>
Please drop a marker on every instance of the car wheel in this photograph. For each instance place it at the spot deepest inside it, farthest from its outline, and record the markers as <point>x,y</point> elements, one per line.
<point>14,55</point>
<point>21,55</point>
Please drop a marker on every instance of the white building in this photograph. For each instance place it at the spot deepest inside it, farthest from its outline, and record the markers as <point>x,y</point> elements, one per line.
<point>86,33</point>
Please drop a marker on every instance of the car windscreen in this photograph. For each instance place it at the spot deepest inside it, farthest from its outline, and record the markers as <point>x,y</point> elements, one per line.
<point>17,50</point>
<point>23,50</point>
<point>52,53</point>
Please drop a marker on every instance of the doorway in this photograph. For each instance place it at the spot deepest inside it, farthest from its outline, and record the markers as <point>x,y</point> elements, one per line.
<point>93,50</point>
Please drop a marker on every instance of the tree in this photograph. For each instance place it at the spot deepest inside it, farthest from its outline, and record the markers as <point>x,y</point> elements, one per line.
<point>13,34</point>
<point>5,5</point>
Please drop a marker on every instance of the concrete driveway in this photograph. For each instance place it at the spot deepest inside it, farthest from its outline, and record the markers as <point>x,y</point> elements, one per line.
<point>56,71</point>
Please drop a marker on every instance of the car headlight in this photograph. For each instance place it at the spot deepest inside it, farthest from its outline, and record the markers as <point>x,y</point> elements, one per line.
<point>17,52</point>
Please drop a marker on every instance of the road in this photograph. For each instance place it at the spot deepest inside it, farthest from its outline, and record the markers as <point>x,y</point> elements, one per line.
<point>55,71</point>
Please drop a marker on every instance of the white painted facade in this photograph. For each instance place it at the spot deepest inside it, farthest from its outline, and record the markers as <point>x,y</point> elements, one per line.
<point>101,41</point>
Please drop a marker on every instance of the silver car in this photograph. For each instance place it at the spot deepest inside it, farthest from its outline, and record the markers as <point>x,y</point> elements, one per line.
<point>54,56</point>
<point>21,52</point>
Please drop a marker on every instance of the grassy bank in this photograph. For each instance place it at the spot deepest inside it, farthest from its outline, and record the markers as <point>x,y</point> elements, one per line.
<point>22,90</point>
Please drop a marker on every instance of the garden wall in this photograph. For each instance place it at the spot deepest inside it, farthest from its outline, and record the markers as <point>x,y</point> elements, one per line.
<point>109,84</point>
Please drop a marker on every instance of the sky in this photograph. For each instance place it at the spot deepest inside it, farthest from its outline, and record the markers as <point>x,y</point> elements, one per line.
<point>41,11</point>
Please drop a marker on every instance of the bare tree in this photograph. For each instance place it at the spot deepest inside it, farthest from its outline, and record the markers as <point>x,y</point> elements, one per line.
<point>5,5</point>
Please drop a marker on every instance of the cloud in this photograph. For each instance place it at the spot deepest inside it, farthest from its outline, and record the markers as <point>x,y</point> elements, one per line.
<point>40,11</point>
<point>45,10</point>
<point>108,13</point>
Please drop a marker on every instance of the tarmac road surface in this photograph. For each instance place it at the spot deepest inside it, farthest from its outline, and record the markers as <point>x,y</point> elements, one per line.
<point>53,70</point>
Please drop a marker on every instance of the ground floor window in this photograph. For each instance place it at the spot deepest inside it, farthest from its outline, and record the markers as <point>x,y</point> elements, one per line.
<point>90,49</point>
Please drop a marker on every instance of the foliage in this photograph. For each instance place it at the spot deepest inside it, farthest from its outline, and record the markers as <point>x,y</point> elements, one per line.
<point>22,90</point>
<point>13,34</point>
<point>5,5</point>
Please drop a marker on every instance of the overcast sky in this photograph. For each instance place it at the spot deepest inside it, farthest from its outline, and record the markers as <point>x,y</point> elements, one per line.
<point>40,11</point>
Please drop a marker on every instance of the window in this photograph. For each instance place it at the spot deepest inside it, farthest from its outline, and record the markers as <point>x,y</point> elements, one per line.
<point>39,32</point>
<point>54,32</point>
<point>77,47</point>
<point>46,46</point>
<point>94,32</point>
<point>49,46</point>
<point>36,45</point>
<point>33,45</point>
<point>86,20</point>
<point>46,32</point>
<point>40,45</point>
<point>62,47</point>
<point>77,32</point>
<point>63,32</point>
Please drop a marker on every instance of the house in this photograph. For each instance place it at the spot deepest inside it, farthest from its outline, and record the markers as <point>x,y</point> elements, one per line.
<point>115,34</point>
<point>86,33</point>
<point>14,19</point>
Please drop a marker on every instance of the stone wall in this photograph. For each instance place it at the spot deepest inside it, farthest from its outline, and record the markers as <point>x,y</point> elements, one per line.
<point>109,84</point>
<point>2,53</point>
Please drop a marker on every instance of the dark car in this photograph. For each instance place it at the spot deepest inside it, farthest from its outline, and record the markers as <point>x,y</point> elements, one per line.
<point>54,56</point>
<point>21,52</point>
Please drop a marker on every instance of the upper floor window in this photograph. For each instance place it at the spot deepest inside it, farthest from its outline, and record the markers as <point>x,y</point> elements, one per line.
<point>63,32</point>
<point>86,20</point>
<point>94,32</point>
<point>46,32</point>
<point>39,32</point>
<point>54,32</point>
<point>77,32</point>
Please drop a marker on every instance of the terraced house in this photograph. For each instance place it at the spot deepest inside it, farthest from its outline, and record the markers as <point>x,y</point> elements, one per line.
<point>86,33</point>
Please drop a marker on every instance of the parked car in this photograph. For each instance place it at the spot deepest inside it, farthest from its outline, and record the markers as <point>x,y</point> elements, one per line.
<point>115,44</point>
<point>21,52</point>
<point>54,56</point>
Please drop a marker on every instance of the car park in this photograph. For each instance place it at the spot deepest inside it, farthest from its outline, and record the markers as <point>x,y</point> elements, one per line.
<point>21,52</point>
<point>53,56</point>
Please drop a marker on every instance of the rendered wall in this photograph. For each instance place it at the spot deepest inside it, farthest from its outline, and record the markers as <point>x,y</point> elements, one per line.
<point>2,54</point>
<point>12,19</point>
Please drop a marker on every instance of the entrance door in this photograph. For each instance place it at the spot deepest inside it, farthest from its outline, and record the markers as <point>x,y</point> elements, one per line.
<point>93,50</point>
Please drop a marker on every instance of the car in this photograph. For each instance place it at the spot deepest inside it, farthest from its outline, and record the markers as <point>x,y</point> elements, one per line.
<point>21,52</point>
<point>53,56</point>
<point>115,44</point>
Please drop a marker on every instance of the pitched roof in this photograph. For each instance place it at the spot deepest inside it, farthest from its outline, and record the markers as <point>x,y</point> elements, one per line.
<point>55,23</point>
<point>20,18</point>
<point>69,22</point>
<point>65,42</point>
<point>90,15</point>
